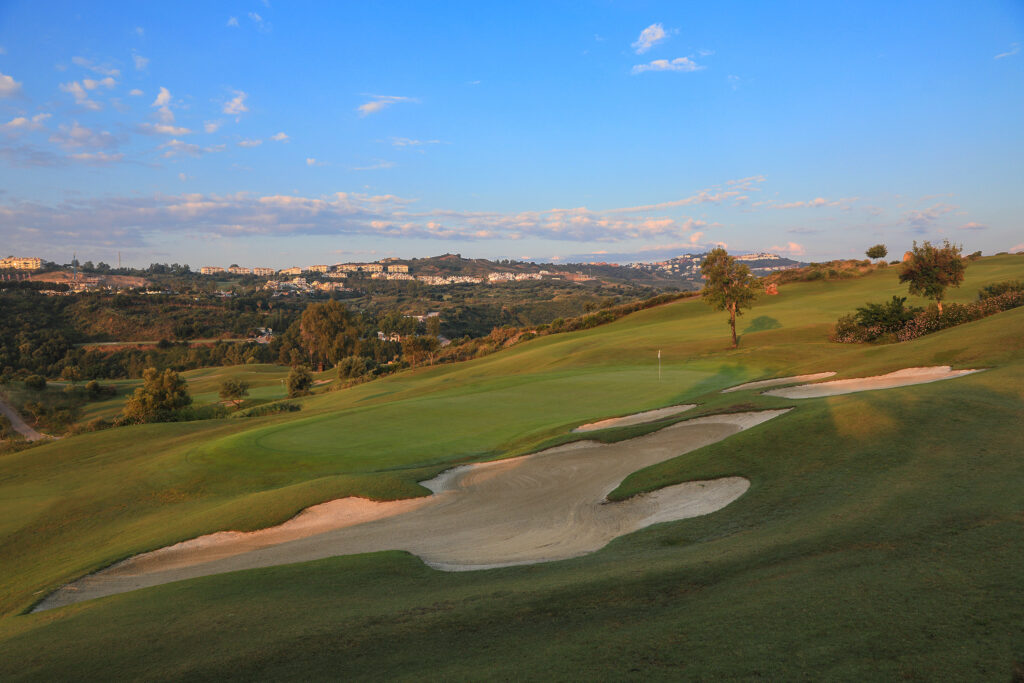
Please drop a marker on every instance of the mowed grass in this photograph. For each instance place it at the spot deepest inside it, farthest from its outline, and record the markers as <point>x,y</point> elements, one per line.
<point>881,535</point>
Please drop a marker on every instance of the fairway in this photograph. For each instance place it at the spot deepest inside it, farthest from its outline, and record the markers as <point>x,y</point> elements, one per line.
<point>864,513</point>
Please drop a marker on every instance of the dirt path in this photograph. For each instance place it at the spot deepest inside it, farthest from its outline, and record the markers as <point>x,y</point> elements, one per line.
<point>19,424</point>
<point>635,419</point>
<point>779,380</point>
<point>900,378</point>
<point>537,508</point>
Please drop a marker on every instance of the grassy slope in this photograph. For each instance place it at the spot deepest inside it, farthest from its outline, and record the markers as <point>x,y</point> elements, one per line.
<point>881,534</point>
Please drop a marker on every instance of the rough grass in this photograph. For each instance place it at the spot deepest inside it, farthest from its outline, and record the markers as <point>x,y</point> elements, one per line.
<point>881,536</point>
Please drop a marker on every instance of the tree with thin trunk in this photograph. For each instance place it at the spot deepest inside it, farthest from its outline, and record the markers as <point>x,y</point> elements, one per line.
<point>728,286</point>
<point>930,270</point>
<point>234,390</point>
<point>878,251</point>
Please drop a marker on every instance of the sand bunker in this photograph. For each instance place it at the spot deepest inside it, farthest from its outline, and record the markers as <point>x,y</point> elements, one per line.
<point>635,419</point>
<point>760,384</point>
<point>547,506</point>
<point>900,378</point>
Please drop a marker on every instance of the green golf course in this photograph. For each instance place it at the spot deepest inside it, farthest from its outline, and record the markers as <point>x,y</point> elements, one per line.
<point>882,535</point>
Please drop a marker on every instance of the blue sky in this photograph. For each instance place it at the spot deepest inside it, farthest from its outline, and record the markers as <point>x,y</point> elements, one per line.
<point>272,133</point>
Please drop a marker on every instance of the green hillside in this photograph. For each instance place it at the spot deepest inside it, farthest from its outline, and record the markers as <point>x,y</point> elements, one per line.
<point>881,536</point>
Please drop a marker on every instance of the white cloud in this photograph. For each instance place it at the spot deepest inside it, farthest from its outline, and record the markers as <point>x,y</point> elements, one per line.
<point>380,102</point>
<point>409,142</point>
<point>163,129</point>
<point>1014,49</point>
<point>649,37</point>
<point>377,165</point>
<point>182,177</point>
<point>140,32</point>
<point>140,62</point>
<point>77,136</point>
<point>684,64</point>
<point>973,226</point>
<point>81,97</point>
<point>791,248</point>
<point>816,203</point>
<point>163,98</point>
<point>96,157</point>
<point>211,126</point>
<point>250,143</point>
<point>237,104</point>
<point>310,161</point>
<point>279,137</point>
<point>8,86</point>
<point>107,83</point>
<point>233,22</point>
<point>255,18</point>
<point>22,124</point>
<point>175,147</point>
<point>920,220</point>
<point>135,92</point>
<point>102,69</point>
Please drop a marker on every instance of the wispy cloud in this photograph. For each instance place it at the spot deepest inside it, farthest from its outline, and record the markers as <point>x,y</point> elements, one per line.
<point>102,69</point>
<point>377,165</point>
<point>175,147</point>
<point>311,161</point>
<point>98,158</point>
<point>22,124</point>
<point>81,96</point>
<point>380,102</point>
<point>250,143</point>
<point>649,37</point>
<point>791,249</point>
<point>973,226</point>
<point>684,64</point>
<point>236,105</point>
<point>232,22</point>
<point>135,92</point>
<point>279,137</point>
<point>140,62</point>
<point>91,84</point>
<point>211,126</point>
<point>816,203</point>
<point>77,136</point>
<point>409,142</point>
<point>1014,49</point>
<point>162,129</point>
<point>921,220</point>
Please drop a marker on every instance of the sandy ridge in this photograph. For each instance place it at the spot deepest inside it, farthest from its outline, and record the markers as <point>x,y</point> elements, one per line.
<point>900,378</point>
<point>760,384</point>
<point>541,507</point>
<point>635,418</point>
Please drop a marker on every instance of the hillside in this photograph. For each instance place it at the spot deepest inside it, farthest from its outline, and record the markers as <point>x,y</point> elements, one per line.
<point>880,536</point>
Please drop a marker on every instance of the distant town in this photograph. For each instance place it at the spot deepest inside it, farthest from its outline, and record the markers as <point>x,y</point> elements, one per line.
<point>446,270</point>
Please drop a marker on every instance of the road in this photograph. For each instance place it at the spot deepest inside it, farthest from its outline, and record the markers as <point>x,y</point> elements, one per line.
<point>19,424</point>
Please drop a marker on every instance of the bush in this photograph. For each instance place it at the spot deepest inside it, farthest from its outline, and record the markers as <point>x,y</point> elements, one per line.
<point>1000,288</point>
<point>270,409</point>
<point>300,379</point>
<point>354,366</point>
<point>35,382</point>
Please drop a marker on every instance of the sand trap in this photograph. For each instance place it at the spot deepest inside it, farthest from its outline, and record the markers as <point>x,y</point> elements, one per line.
<point>546,506</point>
<point>635,419</point>
<point>760,384</point>
<point>900,378</point>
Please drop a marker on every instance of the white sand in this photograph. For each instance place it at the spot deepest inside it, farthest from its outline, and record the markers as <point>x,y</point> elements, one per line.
<point>760,384</point>
<point>900,378</point>
<point>635,418</point>
<point>547,506</point>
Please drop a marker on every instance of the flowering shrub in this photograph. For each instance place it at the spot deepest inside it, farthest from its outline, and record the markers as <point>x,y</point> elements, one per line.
<point>852,329</point>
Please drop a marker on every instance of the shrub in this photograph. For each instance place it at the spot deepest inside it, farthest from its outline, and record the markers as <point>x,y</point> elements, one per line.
<point>35,382</point>
<point>1000,288</point>
<point>300,379</point>
<point>354,366</point>
<point>270,409</point>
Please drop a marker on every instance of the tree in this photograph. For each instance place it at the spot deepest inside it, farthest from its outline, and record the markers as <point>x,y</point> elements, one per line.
<point>930,270</point>
<point>234,390</point>
<point>877,251</point>
<point>35,382</point>
<point>300,379</point>
<point>327,332</point>
<point>161,394</point>
<point>728,285</point>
